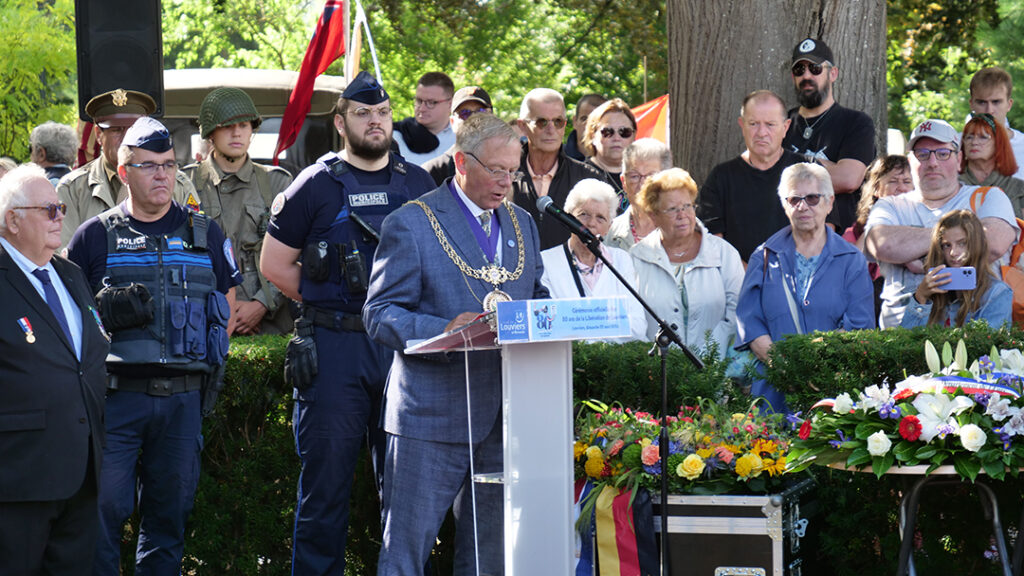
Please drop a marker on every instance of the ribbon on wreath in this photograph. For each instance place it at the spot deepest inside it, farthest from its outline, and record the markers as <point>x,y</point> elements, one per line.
<point>623,534</point>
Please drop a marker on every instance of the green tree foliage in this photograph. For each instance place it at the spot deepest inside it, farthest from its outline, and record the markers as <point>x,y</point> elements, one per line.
<point>1004,39</point>
<point>270,34</point>
<point>37,70</point>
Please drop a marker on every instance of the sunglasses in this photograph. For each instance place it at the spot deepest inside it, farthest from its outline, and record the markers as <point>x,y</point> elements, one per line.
<point>542,123</point>
<point>624,132</point>
<point>810,200</point>
<point>53,209</point>
<point>799,67</point>
<point>465,113</point>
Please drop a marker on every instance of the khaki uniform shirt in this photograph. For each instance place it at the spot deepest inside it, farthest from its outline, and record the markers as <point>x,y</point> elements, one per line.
<point>242,209</point>
<point>94,189</point>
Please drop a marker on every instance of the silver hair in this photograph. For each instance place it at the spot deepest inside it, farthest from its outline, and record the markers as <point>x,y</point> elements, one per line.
<point>592,189</point>
<point>58,140</point>
<point>125,154</point>
<point>804,172</point>
<point>539,95</point>
<point>14,189</point>
<point>480,128</point>
<point>646,149</point>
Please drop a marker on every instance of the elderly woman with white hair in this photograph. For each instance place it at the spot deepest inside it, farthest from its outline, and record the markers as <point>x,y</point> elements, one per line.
<point>571,270</point>
<point>689,277</point>
<point>804,278</point>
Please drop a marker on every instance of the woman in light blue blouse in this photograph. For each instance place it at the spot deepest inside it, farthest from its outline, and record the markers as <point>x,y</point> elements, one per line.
<point>958,240</point>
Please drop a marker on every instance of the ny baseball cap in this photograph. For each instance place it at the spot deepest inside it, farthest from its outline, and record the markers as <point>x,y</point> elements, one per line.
<point>939,130</point>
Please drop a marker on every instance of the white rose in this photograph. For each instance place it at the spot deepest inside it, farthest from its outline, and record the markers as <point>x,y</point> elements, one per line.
<point>972,437</point>
<point>843,404</point>
<point>879,444</point>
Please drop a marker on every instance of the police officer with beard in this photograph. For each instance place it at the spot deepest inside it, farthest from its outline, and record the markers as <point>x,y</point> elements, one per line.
<point>164,282</point>
<point>237,193</point>
<point>329,220</point>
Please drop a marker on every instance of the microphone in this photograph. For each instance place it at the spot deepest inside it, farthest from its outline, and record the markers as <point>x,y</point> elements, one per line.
<point>546,204</point>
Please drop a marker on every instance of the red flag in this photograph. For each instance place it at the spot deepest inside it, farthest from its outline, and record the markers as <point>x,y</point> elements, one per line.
<point>326,46</point>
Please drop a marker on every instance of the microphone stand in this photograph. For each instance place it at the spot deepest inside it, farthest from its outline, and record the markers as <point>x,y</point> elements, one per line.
<point>665,337</point>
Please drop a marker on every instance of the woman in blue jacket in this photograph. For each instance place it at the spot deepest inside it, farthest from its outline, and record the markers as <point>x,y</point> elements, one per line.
<point>958,240</point>
<point>804,278</point>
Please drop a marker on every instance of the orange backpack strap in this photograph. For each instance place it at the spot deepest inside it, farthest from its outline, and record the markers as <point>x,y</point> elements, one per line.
<point>979,191</point>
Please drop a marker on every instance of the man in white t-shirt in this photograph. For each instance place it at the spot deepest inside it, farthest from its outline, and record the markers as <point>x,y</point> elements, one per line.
<point>990,93</point>
<point>899,228</point>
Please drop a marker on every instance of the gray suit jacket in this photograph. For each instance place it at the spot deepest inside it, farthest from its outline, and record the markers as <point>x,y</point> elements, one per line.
<point>415,290</point>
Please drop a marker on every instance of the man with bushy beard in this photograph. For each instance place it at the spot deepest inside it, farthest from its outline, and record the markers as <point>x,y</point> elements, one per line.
<point>329,219</point>
<point>840,139</point>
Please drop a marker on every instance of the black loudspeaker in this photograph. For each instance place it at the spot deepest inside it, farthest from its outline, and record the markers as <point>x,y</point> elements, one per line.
<point>120,45</point>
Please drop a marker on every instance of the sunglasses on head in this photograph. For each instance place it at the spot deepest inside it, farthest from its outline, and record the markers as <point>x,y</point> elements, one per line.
<point>53,209</point>
<point>810,200</point>
<point>799,67</point>
<point>624,132</point>
<point>465,113</point>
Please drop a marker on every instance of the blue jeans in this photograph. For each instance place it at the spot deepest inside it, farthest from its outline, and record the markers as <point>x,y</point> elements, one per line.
<point>162,480</point>
<point>333,420</point>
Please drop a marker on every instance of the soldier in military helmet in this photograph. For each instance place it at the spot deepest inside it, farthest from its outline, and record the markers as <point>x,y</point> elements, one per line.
<point>96,187</point>
<point>329,218</point>
<point>237,193</point>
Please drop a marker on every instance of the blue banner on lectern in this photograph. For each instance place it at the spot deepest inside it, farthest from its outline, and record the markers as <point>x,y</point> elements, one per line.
<point>568,319</point>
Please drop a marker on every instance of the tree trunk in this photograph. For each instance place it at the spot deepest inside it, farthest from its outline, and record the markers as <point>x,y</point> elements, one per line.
<point>720,51</point>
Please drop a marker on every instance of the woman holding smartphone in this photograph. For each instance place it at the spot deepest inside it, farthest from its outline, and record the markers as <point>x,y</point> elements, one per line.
<point>959,285</point>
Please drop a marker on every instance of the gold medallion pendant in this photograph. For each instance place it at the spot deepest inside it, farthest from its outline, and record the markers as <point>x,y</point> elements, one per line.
<point>493,298</point>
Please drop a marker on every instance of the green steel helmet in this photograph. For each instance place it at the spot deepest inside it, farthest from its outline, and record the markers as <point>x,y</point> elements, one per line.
<point>224,107</point>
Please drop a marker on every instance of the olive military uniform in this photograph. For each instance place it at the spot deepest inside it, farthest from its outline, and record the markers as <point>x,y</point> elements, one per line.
<point>240,203</point>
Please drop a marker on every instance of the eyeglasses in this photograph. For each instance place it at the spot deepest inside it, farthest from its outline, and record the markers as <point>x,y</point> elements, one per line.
<point>150,168</point>
<point>364,113</point>
<point>430,104</point>
<point>677,210</point>
<point>800,67</point>
<point>941,154</point>
<point>624,132</point>
<point>977,137</point>
<point>810,200</point>
<point>53,209</point>
<point>542,123</point>
<point>498,174</point>
<point>465,113</point>
<point>636,177</point>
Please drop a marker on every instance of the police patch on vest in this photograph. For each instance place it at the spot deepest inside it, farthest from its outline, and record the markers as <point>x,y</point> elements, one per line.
<point>135,243</point>
<point>175,243</point>
<point>368,199</point>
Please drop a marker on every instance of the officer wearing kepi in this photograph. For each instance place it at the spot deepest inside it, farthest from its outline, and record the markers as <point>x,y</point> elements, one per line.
<point>164,280</point>
<point>329,219</point>
<point>237,193</point>
<point>96,187</point>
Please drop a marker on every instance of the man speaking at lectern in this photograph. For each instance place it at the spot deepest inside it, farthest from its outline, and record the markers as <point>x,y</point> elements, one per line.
<point>442,260</point>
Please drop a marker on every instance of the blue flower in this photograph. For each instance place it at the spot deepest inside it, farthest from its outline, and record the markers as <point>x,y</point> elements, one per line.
<point>836,443</point>
<point>890,410</point>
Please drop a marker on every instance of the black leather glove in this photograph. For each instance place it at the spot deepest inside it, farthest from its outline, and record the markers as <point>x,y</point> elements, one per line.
<point>300,360</point>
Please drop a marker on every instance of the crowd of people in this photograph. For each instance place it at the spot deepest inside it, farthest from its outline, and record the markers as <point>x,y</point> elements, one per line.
<point>413,229</point>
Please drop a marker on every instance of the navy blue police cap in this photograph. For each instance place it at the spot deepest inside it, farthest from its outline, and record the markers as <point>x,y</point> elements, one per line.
<point>149,134</point>
<point>365,89</point>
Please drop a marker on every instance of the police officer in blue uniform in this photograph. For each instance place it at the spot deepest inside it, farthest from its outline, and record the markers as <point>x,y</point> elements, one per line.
<point>164,279</point>
<point>329,220</point>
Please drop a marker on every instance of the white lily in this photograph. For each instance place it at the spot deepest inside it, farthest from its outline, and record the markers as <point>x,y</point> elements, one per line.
<point>874,397</point>
<point>936,412</point>
<point>1013,361</point>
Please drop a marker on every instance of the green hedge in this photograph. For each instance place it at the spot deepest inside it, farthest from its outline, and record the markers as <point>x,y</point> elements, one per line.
<point>242,522</point>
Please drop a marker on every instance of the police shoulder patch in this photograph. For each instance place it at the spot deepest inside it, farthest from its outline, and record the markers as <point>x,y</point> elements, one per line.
<point>229,255</point>
<point>278,204</point>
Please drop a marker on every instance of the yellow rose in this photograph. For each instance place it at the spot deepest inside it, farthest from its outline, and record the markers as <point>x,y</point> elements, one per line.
<point>704,452</point>
<point>593,452</point>
<point>691,467</point>
<point>749,465</point>
<point>594,467</point>
<point>578,449</point>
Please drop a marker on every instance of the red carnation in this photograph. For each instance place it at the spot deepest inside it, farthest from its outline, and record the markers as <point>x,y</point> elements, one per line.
<point>805,430</point>
<point>910,428</point>
<point>903,394</point>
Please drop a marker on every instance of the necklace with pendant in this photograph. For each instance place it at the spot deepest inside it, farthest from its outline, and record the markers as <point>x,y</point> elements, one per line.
<point>809,128</point>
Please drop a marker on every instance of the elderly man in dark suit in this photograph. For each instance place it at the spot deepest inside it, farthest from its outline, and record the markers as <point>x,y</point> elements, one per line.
<point>441,260</point>
<point>52,381</point>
